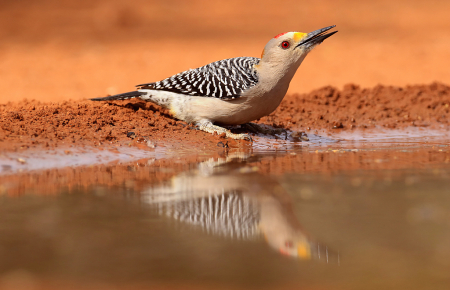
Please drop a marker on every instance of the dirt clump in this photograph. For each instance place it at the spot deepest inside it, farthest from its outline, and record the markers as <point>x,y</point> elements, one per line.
<point>354,107</point>
<point>31,124</point>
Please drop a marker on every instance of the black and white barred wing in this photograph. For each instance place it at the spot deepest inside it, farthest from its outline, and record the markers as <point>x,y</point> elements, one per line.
<point>229,214</point>
<point>223,79</point>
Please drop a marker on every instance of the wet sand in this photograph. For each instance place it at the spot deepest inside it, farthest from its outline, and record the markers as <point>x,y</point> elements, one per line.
<point>328,160</point>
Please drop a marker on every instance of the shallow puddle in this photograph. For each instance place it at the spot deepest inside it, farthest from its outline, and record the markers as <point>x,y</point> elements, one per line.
<point>340,217</point>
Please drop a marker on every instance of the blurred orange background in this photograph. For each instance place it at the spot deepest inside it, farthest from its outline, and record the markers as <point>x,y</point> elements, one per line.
<point>66,49</point>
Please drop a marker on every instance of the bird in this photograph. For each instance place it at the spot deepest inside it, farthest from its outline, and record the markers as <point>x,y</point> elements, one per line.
<point>232,91</point>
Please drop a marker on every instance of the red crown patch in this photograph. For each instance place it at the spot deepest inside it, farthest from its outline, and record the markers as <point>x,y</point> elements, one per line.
<point>280,34</point>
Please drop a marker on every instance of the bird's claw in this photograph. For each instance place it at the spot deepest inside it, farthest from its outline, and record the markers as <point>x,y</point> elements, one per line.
<point>247,137</point>
<point>255,128</point>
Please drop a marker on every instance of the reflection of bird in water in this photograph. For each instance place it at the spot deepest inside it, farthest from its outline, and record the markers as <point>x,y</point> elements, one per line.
<point>229,214</point>
<point>240,203</point>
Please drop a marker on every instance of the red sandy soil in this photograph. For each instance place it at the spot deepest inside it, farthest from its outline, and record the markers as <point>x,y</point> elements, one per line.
<point>35,124</point>
<point>355,107</point>
<point>30,124</point>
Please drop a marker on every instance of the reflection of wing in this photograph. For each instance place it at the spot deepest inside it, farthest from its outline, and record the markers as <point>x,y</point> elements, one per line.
<point>227,201</point>
<point>229,214</point>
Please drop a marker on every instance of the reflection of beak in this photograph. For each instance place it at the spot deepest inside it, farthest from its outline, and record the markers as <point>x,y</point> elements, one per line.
<point>316,37</point>
<point>303,251</point>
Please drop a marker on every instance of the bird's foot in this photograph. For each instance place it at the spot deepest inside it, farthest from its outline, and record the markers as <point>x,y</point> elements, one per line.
<point>255,128</point>
<point>211,128</point>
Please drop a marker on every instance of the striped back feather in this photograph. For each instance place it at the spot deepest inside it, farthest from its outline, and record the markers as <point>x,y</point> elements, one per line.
<point>223,79</point>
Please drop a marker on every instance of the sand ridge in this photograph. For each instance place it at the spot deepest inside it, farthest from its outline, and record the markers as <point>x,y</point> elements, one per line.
<point>32,123</point>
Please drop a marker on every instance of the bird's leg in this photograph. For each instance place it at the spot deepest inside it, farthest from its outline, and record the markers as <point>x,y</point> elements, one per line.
<point>209,127</point>
<point>255,128</point>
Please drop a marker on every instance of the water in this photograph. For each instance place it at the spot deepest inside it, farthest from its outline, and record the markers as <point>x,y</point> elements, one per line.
<point>346,217</point>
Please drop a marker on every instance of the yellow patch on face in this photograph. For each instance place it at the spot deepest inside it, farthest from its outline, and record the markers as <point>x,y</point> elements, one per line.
<point>299,36</point>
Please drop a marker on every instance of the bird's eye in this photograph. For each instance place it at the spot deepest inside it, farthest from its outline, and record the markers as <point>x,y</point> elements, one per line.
<point>285,44</point>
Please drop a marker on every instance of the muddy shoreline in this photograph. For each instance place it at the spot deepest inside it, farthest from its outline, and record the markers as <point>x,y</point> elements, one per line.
<point>328,161</point>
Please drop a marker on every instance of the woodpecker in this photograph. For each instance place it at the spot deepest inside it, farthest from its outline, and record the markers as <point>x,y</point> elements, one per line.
<point>232,91</point>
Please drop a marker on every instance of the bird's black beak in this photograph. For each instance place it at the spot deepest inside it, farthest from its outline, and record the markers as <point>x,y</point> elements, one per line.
<point>316,37</point>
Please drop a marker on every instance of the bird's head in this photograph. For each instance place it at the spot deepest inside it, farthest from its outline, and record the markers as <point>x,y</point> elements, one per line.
<point>292,47</point>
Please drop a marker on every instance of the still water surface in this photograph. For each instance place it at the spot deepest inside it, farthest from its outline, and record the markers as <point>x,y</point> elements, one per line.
<point>227,223</point>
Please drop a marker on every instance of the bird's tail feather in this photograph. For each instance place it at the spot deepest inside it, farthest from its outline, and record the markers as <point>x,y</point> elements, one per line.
<point>124,96</point>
